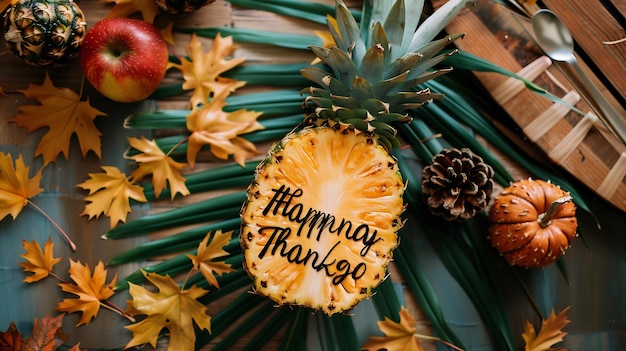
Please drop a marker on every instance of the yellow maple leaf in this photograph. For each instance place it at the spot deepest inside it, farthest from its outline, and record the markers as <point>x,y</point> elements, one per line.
<point>168,33</point>
<point>40,262</point>
<point>15,187</point>
<point>210,125</point>
<point>201,71</point>
<point>90,289</point>
<point>124,8</point>
<point>163,169</point>
<point>207,252</point>
<point>550,333</point>
<point>399,336</point>
<point>109,194</point>
<point>64,114</point>
<point>170,308</point>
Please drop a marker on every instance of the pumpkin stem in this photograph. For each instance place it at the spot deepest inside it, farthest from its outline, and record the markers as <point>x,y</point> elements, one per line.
<point>545,218</point>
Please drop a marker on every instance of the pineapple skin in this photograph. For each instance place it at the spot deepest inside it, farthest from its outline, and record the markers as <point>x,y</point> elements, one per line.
<point>292,263</point>
<point>44,32</point>
<point>181,6</point>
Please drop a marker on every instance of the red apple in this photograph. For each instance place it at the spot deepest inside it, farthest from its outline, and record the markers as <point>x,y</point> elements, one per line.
<point>124,59</point>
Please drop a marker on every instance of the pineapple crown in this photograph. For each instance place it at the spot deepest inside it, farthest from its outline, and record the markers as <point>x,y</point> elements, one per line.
<point>376,66</point>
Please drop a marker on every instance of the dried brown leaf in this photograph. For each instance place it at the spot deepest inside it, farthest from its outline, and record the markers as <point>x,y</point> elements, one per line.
<point>109,194</point>
<point>16,188</point>
<point>64,114</point>
<point>39,262</point>
<point>550,333</point>
<point>208,252</point>
<point>90,289</point>
<point>170,308</point>
<point>163,169</point>
<point>399,336</point>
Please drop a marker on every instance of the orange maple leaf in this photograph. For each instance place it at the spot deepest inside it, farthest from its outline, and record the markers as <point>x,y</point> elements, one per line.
<point>90,289</point>
<point>170,308</point>
<point>153,161</point>
<point>202,72</point>
<point>207,252</point>
<point>399,336</point>
<point>40,263</point>
<point>109,193</point>
<point>46,336</point>
<point>550,333</point>
<point>11,339</point>
<point>64,114</point>
<point>210,125</point>
<point>124,8</point>
<point>15,187</point>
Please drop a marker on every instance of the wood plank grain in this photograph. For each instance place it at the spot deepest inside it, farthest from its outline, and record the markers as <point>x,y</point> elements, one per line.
<point>591,25</point>
<point>499,40</point>
<point>619,6</point>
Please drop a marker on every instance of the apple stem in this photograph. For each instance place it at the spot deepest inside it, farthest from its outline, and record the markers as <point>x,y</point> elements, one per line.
<point>67,238</point>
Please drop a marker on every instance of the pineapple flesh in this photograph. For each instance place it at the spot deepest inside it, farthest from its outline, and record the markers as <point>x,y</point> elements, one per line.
<point>321,217</point>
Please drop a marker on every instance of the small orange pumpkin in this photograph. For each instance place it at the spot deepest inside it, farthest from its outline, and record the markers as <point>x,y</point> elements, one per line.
<point>532,223</point>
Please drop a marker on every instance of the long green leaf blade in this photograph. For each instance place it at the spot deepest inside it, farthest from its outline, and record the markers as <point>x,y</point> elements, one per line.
<point>247,35</point>
<point>223,207</point>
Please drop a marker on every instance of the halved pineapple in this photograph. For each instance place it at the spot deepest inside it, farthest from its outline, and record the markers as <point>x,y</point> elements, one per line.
<point>320,223</point>
<point>320,220</point>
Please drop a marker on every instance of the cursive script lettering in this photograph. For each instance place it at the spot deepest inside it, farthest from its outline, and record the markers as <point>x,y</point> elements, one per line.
<point>294,254</point>
<point>319,221</point>
<point>312,224</point>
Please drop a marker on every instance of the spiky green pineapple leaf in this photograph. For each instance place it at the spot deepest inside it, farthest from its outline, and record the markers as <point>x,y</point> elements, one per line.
<point>375,62</point>
<point>394,24</point>
<point>324,79</point>
<point>435,23</point>
<point>350,40</point>
<point>412,21</point>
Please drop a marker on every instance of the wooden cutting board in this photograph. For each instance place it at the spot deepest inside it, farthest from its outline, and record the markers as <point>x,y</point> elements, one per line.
<point>580,143</point>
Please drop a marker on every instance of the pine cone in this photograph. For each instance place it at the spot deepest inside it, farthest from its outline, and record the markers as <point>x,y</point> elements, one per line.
<point>457,185</point>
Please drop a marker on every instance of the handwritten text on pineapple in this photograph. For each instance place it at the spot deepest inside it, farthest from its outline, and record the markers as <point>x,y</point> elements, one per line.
<point>314,223</point>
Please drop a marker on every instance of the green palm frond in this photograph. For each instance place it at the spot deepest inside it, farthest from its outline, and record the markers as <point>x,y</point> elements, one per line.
<point>246,35</point>
<point>310,11</point>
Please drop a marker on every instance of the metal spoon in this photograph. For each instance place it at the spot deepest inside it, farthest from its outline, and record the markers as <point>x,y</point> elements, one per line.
<point>556,41</point>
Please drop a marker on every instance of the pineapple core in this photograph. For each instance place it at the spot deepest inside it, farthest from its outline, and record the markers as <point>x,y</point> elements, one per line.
<point>321,219</point>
